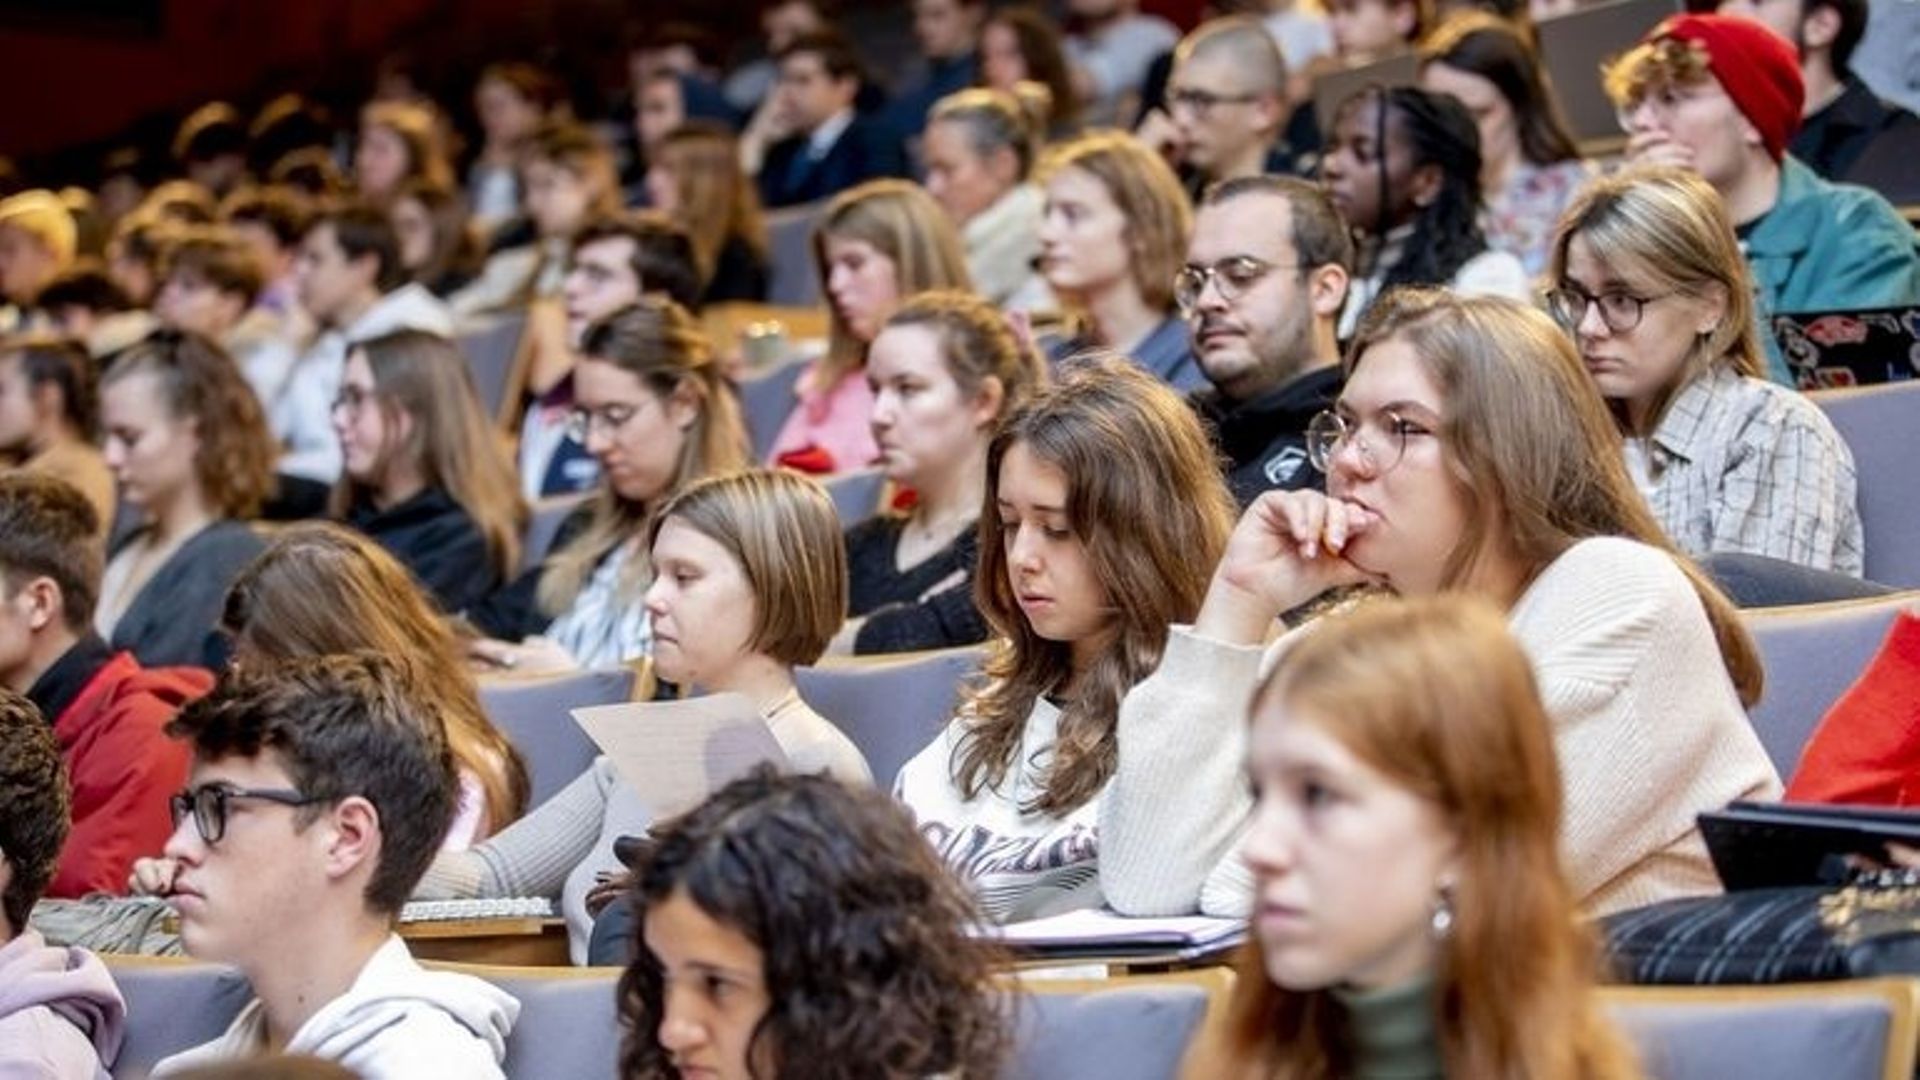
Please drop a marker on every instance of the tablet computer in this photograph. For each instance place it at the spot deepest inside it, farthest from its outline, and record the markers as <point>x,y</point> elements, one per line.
<point>1765,845</point>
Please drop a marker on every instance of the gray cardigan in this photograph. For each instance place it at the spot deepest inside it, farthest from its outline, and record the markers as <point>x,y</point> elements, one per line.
<point>180,606</point>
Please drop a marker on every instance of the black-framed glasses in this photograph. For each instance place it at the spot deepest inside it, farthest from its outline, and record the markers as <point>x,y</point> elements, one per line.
<point>1232,276</point>
<point>1620,311</point>
<point>1201,102</point>
<point>208,805</point>
<point>608,418</point>
<point>1382,442</point>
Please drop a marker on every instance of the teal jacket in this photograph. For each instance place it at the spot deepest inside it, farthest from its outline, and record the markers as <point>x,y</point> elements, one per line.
<point>1828,247</point>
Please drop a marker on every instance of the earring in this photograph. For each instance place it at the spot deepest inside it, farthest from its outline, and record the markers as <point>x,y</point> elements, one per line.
<point>1442,917</point>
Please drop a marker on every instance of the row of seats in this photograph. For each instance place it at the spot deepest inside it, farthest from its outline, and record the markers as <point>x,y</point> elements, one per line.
<point>1133,1027</point>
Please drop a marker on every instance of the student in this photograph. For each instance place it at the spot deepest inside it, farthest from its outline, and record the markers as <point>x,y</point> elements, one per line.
<point>1226,103</point>
<point>511,101</point>
<point>1110,53</point>
<point>813,145</point>
<point>354,286</point>
<point>1265,277</point>
<point>749,580</point>
<point>83,303</point>
<point>1403,168</point>
<point>48,412</point>
<point>1722,95</point>
<point>948,34</point>
<point>425,475</point>
<point>438,245</point>
<point>1650,283</point>
<point>789,922</point>
<point>979,148</point>
<point>1108,506</point>
<point>190,451</point>
<point>1530,166</point>
<point>211,281</point>
<point>61,1017</point>
<point>1111,239</point>
<point>1469,452</point>
<point>37,241</point>
<point>695,179</point>
<point>322,786</point>
<point>1412,917</point>
<point>211,147</point>
<point>652,408</point>
<point>105,710</point>
<point>1368,30</point>
<point>399,141</point>
<point>1019,44</point>
<point>271,221</point>
<point>944,371</point>
<point>321,590</point>
<point>876,245</point>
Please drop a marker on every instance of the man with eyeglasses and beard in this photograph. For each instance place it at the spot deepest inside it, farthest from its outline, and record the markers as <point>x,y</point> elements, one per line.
<point>1265,277</point>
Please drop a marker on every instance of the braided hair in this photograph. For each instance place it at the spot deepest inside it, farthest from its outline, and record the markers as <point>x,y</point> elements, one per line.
<point>1439,131</point>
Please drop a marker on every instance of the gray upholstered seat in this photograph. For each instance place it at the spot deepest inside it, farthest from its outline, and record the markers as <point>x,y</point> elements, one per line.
<point>765,401</point>
<point>1878,423</point>
<point>534,715</point>
<point>1137,1032</point>
<point>891,708</point>
<point>791,279</point>
<point>492,347</point>
<point>172,1005</point>
<point>543,525</point>
<point>1859,1030</point>
<point>1812,654</point>
<point>856,495</point>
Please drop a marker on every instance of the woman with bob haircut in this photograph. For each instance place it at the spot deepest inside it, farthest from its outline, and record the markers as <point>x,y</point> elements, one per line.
<point>749,581</point>
<point>944,371</point>
<point>1650,282</point>
<point>1530,165</point>
<point>651,406</point>
<point>1468,452</point>
<point>399,141</point>
<point>424,474</point>
<point>189,448</point>
<point>1112,237</point>
<point>1103,509</point>
<point>794,926</point>
<point>695,178</point>
<point>876,245</point>
<point>979,148</point>
<point>1411,916</point>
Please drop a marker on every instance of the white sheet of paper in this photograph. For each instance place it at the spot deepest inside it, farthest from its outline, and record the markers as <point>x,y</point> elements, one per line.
<point>676,753</point>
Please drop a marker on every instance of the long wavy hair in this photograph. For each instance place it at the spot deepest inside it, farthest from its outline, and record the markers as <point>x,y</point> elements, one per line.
<point>1667,231</point>
<point>1146,499</point>
<point>1497,50</point>
<point>321,589</point>
<point>1439,132</point>
<point>200,383</point>
<point>1435,694</point>
<point>1533,450</point>
<point>869,970</point>
<point>657,342</point>
<point>898,219</point>
<point>718,203</point>
<point>423,379</point>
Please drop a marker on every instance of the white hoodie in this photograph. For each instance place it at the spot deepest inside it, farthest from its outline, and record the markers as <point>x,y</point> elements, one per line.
<point>398,1021</point>
<point>302,416</point>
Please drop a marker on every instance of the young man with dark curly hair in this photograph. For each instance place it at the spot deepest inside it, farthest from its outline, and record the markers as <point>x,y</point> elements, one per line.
<point>60,1015</point>
<point>320,790</point>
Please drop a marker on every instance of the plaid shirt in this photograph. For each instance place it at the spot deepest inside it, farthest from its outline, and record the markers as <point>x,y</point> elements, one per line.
<point>1744,465</point>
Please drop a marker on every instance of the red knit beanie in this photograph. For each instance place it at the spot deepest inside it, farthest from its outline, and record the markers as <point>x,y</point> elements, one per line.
<point>1756,67</point>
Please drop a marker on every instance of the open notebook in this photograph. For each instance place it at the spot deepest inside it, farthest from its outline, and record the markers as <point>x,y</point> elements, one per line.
<point>1098,932</point>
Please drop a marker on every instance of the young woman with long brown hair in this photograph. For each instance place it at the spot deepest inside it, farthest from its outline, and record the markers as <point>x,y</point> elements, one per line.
<point>425,475</point>
<point>1103,508</point>
<point>1411,915</point>
<point>695,178</point>
<point>1468,452</point>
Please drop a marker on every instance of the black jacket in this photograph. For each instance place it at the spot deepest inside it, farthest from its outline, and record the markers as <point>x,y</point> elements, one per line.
<point>865,151</point>
<point>432,536</point>
<point>1265,440</point>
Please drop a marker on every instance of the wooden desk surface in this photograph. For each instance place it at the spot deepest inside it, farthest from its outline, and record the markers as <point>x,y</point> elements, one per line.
<point>514,942</point>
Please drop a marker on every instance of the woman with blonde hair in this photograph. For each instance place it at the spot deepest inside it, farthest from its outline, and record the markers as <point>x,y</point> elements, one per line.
<point>877,245</point>
<point>1104,509</point>
<point>695,178</point>
<point>944,370</point>
<point>190,451</point>
<point>980,147</point>
<point>1468,452</point>
<point>424,475</point>
<point>1650,282</point>
<point>1411,916</point>
<point>320,589</point>
<point>651,406</point>
<point>748,581</point>
<point>1112,238</point>
<point>399,141</point>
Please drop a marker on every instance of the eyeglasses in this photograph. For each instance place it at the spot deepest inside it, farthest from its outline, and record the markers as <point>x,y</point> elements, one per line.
<point>1382,442</point>
<point>608,418</point>
<point>1233,276</point>
<point>351,399</point>
<point>208,805</point>
<point>1620,311</point>
<point>1201,102</point>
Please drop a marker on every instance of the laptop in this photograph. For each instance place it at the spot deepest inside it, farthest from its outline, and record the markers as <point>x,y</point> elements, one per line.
<point>1573,48</point>
<point>1770,845</point>
<point>1826,349</point>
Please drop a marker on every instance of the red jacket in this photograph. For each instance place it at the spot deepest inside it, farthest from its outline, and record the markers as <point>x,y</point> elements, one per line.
<point>123,767</point>
<point>1867,748</point>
